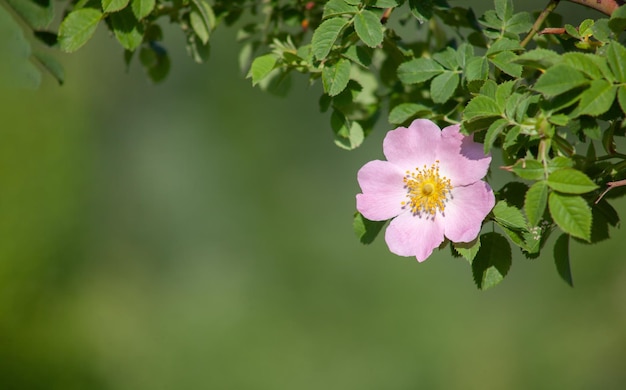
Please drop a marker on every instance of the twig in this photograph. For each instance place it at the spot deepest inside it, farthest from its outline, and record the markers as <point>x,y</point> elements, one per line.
<point>610,186</point>
<point>553,30</point>
<point>542,17</point>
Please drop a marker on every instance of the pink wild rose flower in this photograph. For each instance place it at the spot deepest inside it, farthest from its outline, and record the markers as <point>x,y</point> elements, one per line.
<point>430,185</point>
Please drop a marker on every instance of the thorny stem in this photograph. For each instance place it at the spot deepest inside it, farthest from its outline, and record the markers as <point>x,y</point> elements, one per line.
<point>605,6</point>
<point>542,17</point>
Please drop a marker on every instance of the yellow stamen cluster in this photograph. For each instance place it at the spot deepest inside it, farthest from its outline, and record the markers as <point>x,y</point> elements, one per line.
<point>427,190</point>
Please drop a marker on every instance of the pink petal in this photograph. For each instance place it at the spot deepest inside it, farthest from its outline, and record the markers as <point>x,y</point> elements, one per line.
<point>466,211</point>
<point>410,235</point>
<point>462,160</point>
<point>452,132</point>
<point>413,146</point>
<point>383,190</point>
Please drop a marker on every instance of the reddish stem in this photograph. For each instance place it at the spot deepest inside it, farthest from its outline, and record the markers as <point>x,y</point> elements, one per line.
<point>610,186</point>
<point>605,6</point>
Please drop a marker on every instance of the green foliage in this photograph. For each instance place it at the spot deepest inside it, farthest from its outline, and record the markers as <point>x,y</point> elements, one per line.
<point>492,262</point>
<point>78,28</point>
<point>113,5</point>
<point>365,229</point>
<point>561,258</point>
<point>326,35</point>
<point>571,213</point>
<point>38,15</point>
<point>16,69</point>
<point>368,27</point>
<point>142,8</point>
<point>553,105</point>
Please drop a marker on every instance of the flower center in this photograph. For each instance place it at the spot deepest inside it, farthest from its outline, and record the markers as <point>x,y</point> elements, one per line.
<point>427,191</point>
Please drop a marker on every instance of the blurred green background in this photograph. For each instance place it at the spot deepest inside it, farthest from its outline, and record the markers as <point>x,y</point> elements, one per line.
<point>197,235</point>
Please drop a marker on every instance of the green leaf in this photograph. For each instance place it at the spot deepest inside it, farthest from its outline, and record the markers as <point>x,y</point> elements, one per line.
<point>617,22</point>
<point>335,77</point>
<point>503,93</point>
<point>465,52</point>
<point>200,53</point>
<point>559,119</point>
<point>421,9</point>
<point>571,213</point>
<point>337,8</point>
<point>477,68</point>
<point>505,61</point>
<point>513,193</point>
<point>532,242</point>
<point>489,89</point>
<point>493,260</point>
<point>481,107</point>
<point>535,202</point>
<point>142,8</point>
<point>201,30</point>
<point>572,31</point>
<point>353,139</point>
<point>155,61</point>
<point>558,79</point>
<point>443,86</point>
<point>597,99</point>
<point>447,58</point>
<point>561,259</point>
<point>490,19</point>
<point>47,37</point>
<point>504,9</point>
<point>261,67</point>
<point>128,30</point>
<point>589,64</point>
<point>519,23</point>
<point>608,140</point>
<point>325,36</point>
<point>538,59</point>
<point>16,70</point>
<point>529,169</point>
<point>511,137</point>
<point>570,181</point>
<point>278,82</point>
<point>368,27</point>
<point>504,44</point>
<point>51,65</point>
<point>361,55</point>
<point>494,130</point>
<point>616,55</point>
<point>113,5</point>
<point>405,111</point>
<point>468,249</point>
<point>365,229</point>
<point>348,134</point>
<point>387,3</point>
<point>77,28</point>
<point>202,20</point>
<point>509,216</point>
<point>559,162</point>
<point>601,30</point>
<point>621,97</point>
<point>608,212</point>
<point>38,15</point>
<point>418,70</point>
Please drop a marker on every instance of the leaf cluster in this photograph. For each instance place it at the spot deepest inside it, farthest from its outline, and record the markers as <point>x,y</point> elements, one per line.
<point>553,111</point>
<point>553,106</point>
